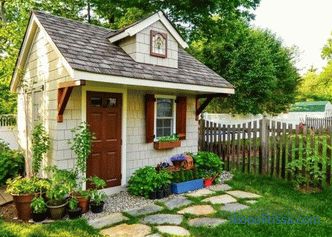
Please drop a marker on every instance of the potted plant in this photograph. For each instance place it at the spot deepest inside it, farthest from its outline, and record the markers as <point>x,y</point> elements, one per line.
<point>39,209</point>
<point>62,182</point>
<point>81,145</point>
<point>177,160</point>
<point>208,165</point>
<point>162,182</point>
<point>185,181</point>
<point>97,197</point>
<point>167,142</point>
<point>74,211</point>
<point>23,191</point>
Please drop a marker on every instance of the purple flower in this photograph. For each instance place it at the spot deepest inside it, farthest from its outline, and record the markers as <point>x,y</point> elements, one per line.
<point>179,157</point>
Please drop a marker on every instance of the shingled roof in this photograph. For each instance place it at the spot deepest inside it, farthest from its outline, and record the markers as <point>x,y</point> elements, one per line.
<point>86,48</point>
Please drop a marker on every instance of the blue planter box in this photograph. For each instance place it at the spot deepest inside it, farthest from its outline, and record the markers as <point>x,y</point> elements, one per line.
<point>187,186</point>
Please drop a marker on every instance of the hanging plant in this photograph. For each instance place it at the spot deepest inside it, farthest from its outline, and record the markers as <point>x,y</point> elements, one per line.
<point>40,146</point>
<point>81,145</point>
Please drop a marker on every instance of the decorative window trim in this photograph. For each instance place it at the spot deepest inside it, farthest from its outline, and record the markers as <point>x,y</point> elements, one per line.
<point>153,33</point>
<point>155,113</point>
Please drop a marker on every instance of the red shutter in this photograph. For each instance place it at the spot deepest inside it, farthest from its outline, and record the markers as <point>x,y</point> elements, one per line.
<point>149,117</point>
<point>181,116</point>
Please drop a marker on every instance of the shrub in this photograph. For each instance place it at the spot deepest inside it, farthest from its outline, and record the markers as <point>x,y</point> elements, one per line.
<point>208,164</point>
<point>11,163</point>
<point>19,185</point>
<point>146,180</point>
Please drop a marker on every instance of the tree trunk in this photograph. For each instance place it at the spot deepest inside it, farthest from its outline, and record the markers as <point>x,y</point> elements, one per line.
<point>2,10</point>
<point>89,12</point>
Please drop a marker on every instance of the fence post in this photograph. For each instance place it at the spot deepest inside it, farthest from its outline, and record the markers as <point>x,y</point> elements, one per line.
<point>264,137</point>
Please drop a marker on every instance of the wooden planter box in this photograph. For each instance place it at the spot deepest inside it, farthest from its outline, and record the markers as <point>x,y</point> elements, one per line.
<point>187,186</point>
<point>166,145</point>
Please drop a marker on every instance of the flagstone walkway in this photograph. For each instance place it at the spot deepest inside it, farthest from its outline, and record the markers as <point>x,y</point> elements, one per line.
<point>4,197</point>
<point>166,217</point>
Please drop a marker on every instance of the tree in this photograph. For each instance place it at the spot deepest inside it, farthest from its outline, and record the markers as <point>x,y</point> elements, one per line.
<point>327,49</point>
<point>255,62</point>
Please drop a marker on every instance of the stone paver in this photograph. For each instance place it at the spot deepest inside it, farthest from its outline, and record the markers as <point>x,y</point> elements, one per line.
<point>159,219</point>
<point>125,230</point>
<point>221,199</point>
<point>108,220</point>
<point>220,187</point>
<point>145,210</point>
<point>198,210</point>
<point>154,235</point>
<point>177,202</point>
<point>251,201</point>
<point>234,207</point>
<point>206,222</point>
<point>243,194</point>
<point>200,193</point>
<point>173,230</point>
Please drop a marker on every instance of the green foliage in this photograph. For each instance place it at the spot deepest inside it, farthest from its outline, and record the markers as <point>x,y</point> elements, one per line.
<point>327,49</point>
<point>81,145</point>
<point>66,228</point>
<point>11,162</point>
<point>307,169</point>
<point>255,62</point>
<point>40,146</point>
<point>97,196</point>
<point>63,183</point>
<point>171,138</point>
<point>208,164</point>
<point>38,205</point>
<point>73,203</point>
<point>183,176</point>
<point>20,185</point>
<point>146,180</point>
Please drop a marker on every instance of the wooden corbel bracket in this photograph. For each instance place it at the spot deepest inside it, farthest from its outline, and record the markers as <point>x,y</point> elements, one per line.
<point>208,99</point>
<point>64,92</point>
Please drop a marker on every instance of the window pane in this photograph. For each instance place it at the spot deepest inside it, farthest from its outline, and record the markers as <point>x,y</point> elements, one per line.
<point>164,108</point>
<point>96,101</point>
<point>164,127</point>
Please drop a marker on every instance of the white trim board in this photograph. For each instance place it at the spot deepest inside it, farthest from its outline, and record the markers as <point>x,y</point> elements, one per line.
<point>88,76</point>
<point>124,93</point>
<point>159,16</point>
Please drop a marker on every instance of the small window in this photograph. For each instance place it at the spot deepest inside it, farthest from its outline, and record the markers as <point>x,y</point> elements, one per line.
<point>165,117</point>
<point>96,101</point>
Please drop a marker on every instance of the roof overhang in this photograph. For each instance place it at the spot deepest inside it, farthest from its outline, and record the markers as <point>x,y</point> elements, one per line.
<point>198,89</point>
<point>25,49</point>
<point>159,16</point>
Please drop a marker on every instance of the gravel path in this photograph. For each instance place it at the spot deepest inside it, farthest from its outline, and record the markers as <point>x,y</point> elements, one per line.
<point>123,201</point>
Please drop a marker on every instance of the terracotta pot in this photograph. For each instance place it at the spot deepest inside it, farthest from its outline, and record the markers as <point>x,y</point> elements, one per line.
<point>208,182</point>
<point>22,204</point>
<point>83,203</point>
<point>57,211</point>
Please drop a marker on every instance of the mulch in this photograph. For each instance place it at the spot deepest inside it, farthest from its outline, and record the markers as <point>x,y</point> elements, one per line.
<point>8,212</point>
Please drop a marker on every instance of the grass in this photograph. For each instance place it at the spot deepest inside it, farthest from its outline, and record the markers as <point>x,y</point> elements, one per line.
<point>75,228</point>
<point>279,198</point>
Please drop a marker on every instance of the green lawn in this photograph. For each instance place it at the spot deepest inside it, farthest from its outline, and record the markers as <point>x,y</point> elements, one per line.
<point>279,198</point>
<point>77,228</point>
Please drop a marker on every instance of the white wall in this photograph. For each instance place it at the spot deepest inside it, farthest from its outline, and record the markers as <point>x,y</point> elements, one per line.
<point>294,118</point>
<point>9,135</point>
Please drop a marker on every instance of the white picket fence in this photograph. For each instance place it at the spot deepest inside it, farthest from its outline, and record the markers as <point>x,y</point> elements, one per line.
<point>8,130</point>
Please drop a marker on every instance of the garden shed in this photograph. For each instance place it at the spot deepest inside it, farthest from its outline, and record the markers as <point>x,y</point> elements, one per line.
<point>132,86</point>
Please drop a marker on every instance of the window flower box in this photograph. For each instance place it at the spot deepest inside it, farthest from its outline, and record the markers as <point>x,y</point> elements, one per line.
<point>187,186</point>
<point>161,145</point>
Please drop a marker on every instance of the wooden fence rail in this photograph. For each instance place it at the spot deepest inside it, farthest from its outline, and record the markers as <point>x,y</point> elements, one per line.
<point>7,120</point>
<point>267,147</point>
<point>318,122</point>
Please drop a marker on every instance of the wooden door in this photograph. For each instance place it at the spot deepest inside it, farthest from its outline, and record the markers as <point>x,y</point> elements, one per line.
<point>104,118</point>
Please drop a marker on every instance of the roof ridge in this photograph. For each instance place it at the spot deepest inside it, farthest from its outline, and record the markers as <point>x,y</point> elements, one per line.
<point>73,20</point>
